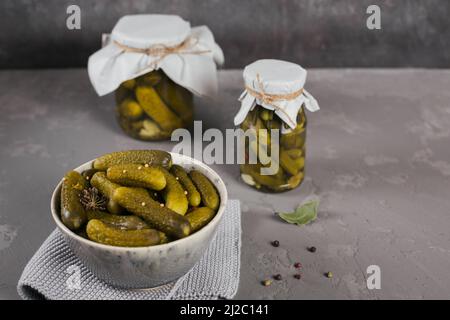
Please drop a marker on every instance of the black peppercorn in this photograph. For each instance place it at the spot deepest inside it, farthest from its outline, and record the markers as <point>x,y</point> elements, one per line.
<point>312,249</point>
<point>278,277</point>
<point>276,243</point>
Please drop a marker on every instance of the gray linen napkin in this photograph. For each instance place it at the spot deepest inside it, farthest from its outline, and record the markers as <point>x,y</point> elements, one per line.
<point>215,276</point>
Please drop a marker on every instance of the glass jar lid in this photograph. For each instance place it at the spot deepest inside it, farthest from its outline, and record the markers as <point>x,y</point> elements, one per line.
<point>275,85</point>
<point>145,30</point>
<point>145,42</point>
<point>275,76</point>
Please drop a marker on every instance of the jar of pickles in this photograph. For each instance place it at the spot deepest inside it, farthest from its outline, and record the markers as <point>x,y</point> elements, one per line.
<point>152,106</point>
<point>155,64</point>
<point>273,117</point>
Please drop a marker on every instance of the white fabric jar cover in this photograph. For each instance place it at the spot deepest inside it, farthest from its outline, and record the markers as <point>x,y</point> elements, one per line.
<point>193,66</point>
<point>279,81</point>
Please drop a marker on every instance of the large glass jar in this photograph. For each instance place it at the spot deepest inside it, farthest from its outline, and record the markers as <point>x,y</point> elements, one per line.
<point>155,63</point>
<point>291,146</point>
<point>152,106</point>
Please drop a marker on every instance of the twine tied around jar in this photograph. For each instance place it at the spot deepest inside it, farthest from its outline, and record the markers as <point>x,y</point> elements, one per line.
<point>161,51</point>
<point>270,98</point>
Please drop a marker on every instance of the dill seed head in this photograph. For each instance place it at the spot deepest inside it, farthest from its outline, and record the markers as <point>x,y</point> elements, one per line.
<point>92,199</point>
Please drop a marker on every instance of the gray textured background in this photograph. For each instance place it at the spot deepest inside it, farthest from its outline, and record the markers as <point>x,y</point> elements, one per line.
<point>315,33</point>
<point>377,158</point>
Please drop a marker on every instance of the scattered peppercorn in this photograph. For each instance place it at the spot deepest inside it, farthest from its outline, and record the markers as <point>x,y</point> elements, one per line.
<point>329,274</point>
<point>297,276</point>
<point>278,277</point>
<point>276,243</point>
<point>266,282</point>
<point>298,265</point>
<point>312,249</point>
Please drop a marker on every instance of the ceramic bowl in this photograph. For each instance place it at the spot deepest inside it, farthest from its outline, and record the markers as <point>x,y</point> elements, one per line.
<point>144,267</point>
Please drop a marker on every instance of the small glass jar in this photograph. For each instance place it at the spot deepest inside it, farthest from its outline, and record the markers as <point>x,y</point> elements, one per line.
<point>273,120</point>
<point>152,106</point>
<point>291,146</point>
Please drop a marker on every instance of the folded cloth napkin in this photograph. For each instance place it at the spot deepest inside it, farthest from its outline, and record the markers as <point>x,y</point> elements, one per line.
<point>215,276</point>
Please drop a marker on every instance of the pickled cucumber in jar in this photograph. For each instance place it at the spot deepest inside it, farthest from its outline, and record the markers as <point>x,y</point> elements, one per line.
<point>152,106</point>
<point>291,147</point>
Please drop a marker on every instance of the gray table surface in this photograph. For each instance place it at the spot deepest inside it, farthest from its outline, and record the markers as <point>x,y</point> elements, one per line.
<point>378,158</point>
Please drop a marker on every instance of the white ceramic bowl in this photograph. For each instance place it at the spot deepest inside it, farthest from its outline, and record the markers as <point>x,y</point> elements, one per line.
<point>144,267</point>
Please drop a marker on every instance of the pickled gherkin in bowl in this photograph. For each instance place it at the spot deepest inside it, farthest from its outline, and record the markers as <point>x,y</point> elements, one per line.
<point>169,207</point>
<point>291,146</point>
<point>152,106</point>
<point>149,196</point>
